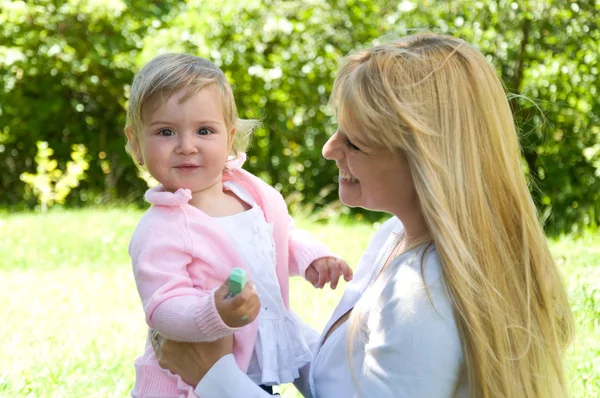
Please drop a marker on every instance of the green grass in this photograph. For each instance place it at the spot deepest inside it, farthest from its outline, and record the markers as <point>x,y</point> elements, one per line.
<point>72,322</point>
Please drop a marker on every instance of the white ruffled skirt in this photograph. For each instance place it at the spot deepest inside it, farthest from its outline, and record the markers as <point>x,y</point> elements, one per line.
<point>281,350</point>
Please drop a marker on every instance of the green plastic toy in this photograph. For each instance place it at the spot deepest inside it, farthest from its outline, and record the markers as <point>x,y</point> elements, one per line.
<point>237,281</point>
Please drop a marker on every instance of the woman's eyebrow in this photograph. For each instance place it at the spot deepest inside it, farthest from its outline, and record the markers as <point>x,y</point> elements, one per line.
<point>345,135</point>
<point>342,132</point>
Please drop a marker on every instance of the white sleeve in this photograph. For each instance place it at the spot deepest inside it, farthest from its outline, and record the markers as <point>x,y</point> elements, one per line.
<point>412,348</point>
<point>226,380</point>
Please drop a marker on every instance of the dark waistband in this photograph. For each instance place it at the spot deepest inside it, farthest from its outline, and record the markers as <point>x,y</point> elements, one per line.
<point>268,389</point>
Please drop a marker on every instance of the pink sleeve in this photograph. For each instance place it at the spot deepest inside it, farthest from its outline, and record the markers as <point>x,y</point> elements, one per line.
<point>304,249</point>
<point>161,251</point>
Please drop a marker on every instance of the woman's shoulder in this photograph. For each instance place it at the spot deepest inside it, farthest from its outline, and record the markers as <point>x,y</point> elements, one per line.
<point>422,263</point>
<point>417,281</point>
<point>425,262</point>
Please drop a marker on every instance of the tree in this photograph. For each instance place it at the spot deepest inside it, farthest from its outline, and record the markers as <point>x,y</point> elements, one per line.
<point>67,67</point>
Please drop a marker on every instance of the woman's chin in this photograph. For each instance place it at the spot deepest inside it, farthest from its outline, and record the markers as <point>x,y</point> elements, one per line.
<point>349,200</point>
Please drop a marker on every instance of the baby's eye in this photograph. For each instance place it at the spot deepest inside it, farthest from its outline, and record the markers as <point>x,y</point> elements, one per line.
<point>166,132</point>
<point>204,131</point>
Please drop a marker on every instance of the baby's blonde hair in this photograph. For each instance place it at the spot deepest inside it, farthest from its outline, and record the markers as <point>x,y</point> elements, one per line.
<point>166,74</point>
<point>437,100</point>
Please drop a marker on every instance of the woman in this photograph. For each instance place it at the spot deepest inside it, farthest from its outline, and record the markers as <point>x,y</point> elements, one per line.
<point>456,295</point>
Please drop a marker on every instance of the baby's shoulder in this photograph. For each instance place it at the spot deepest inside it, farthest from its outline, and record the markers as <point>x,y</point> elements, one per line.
<point>160,221</point>
<point>254,184</point>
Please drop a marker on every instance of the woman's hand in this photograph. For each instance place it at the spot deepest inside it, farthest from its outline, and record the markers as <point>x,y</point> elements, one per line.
<point>191,361</point>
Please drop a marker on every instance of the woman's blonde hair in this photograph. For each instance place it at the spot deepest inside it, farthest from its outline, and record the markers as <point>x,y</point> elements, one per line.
<point>439,102</point>
<point>166,74</point>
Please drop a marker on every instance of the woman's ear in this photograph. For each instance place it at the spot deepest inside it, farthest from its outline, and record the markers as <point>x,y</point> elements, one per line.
<point>133,145</point>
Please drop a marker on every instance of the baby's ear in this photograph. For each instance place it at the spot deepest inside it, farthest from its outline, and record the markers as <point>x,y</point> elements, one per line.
<point>133,146</point>
<point>231,138</point>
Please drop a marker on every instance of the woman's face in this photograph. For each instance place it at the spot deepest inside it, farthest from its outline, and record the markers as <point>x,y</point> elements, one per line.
<point>371,178</point>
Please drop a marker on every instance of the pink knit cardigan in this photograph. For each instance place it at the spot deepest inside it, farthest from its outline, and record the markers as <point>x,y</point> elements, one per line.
<point>180,255</point>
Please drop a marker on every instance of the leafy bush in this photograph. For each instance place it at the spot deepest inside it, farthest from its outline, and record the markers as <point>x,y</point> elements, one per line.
<point>66,68</point>
<point>50,184</point>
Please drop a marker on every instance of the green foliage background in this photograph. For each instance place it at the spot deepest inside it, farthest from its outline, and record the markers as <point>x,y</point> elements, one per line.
<point>65,67</point>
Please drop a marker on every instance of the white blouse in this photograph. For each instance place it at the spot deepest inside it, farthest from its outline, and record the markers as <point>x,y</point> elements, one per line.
<point>406,341</point>
<point>405,345</point>
<point>281,348</point>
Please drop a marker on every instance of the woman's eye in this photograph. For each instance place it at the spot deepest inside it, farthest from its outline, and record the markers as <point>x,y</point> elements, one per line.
<point>350,145</point>
<point>166,132</point>
<point>204,131</point>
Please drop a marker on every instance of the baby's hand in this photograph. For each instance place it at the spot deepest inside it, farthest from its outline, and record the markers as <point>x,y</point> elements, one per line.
<point>239,310</point>
<point>328,269</point>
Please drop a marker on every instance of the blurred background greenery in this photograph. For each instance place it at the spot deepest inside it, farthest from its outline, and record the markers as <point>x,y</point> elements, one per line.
<point>66,66</point>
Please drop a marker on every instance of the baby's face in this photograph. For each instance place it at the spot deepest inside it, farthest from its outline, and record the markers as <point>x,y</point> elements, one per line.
<point>185,144</point>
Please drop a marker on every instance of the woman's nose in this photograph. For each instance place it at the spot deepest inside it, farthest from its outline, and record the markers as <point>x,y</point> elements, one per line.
<point>330,147</point>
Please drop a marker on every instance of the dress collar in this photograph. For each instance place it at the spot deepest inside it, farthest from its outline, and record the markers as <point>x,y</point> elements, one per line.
<point>158,196</point>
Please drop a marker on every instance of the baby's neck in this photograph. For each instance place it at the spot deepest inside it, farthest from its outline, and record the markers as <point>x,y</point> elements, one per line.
<point>218,202</point>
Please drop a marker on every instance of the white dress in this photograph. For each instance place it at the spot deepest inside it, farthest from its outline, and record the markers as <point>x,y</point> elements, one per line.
<point>281,348</point>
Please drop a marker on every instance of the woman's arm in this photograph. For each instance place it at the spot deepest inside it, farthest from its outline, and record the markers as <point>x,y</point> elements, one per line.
<point>209,366</point>
<point>212,368</point>
<point>225,380</point>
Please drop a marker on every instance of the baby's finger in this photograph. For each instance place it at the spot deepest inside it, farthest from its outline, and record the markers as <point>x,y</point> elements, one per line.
<point>249,311</point>
<point>252,302</point>
<point>223,291</point>
<point>334,272</point>
<point>312,276</point>
<point>255,309</point>
<point>247,294</point>
<point>323,274</point>
<point>346,270</point>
